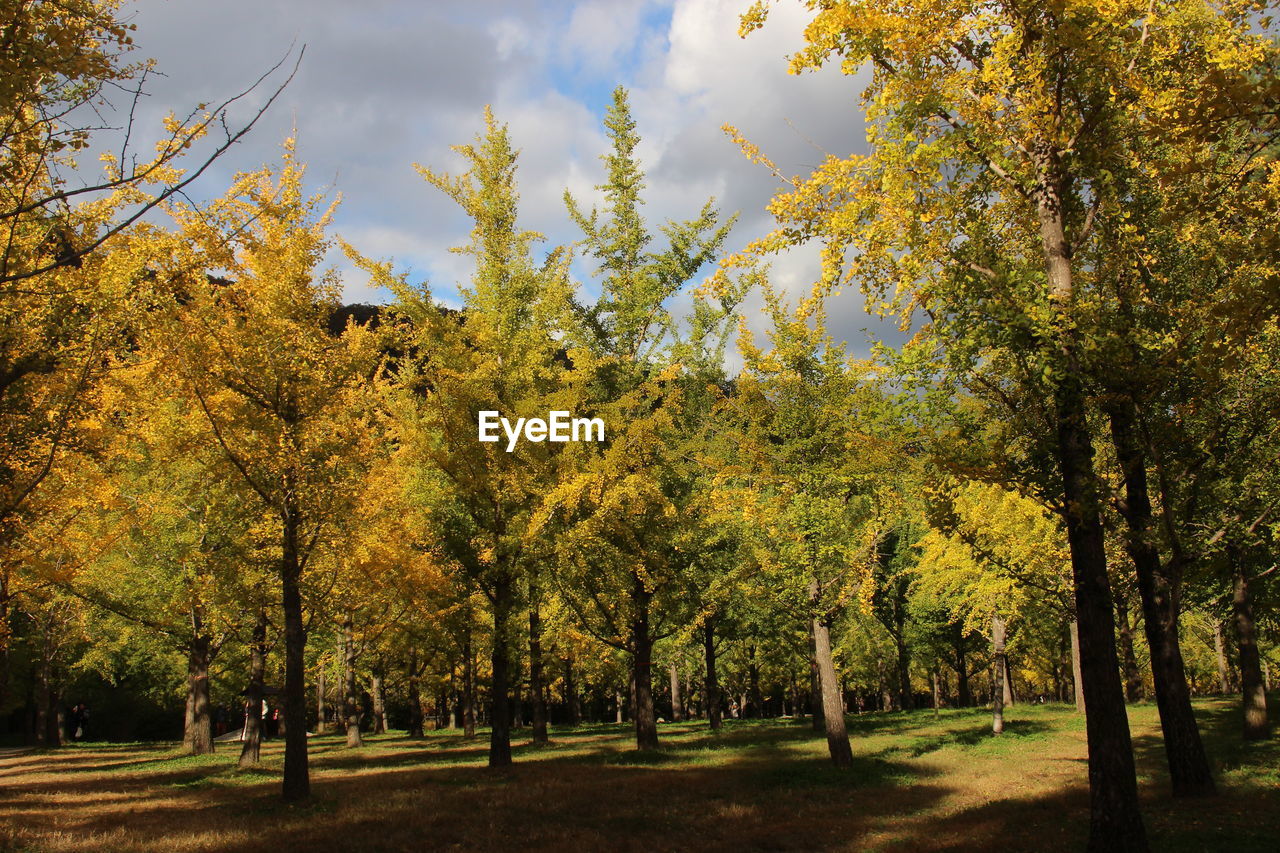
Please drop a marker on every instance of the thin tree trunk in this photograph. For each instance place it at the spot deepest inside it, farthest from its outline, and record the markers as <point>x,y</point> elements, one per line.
<point>1077,680</point>
<point>251,746</point>
<point>965,694</point>
<point>322,712</point>
<point>832,704</point>
<point>415,697</point>
<point>815,686</point>
<point>297,779</point>
<point>1220,652</point>
<point>1251,681</point>
<point>1010,696</point>
<point>1132,675</point>
<point>617,706</point>
<point>536,695</point>
<point>998,671</point>
<point>937,697</point>
<point>468,688</point>
<point>378,688</point>
<point>677,707</point>
<point>571,702</point>
<point>197,732</point>
<point>500,700</point>
<point>711,685</point>
<point>350,696</point>
<point>642,668</point>
<point>1158,589</point>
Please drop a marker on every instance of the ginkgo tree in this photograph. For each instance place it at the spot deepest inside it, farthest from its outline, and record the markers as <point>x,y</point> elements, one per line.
<point>996,133</point>
<point>284,397</point>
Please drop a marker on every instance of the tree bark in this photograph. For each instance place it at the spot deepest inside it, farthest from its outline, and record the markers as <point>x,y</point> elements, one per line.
<point>1132,675</point>
<point>197,731</point>
<point>378,688</point>
<point>1251,680</point>
<point>1010,696</point>
<point>350,693</point>
<point>711,684</point>
<point>1158,587</point>
<point>832,704</point>
<point>468,688</point>
<point>998,673</point>
<point>642,668</point>
<point>1077,680</point>
<point>815,686</point>
<point>500,698</point>
<point>573,706</point>
<point>537,696</point>
<point>322,711</point>
<point>251,738</point>
<point>415,697</point>
<point>297,779</point>
<point>677,706</point>
<point>937,697</point>
<point>1220,653</point>
<point>964,693</point>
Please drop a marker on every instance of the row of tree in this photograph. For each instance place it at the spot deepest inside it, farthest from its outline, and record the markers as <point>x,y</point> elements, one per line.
<point>210,464</point>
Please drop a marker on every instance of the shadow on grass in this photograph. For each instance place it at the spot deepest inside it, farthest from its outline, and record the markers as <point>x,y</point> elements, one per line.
<point>753,786</point>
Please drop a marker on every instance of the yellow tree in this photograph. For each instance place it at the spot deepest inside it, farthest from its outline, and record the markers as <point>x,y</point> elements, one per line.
<point>996,133</point>
<point>283,395</point>
<point>501,354</point>
<point>813,477</point>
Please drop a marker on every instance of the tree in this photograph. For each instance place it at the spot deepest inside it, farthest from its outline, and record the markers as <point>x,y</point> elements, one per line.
<point>280,392</point>
<point>500,353</point>
<point>995,132</point>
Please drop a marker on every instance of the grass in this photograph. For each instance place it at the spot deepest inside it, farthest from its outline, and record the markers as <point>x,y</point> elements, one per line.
<point>919,782</point>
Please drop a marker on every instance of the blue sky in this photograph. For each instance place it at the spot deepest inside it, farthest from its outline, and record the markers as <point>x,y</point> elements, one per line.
<point>388,83</point>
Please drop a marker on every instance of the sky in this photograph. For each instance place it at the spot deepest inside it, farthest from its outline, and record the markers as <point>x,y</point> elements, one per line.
<point>385,84</point>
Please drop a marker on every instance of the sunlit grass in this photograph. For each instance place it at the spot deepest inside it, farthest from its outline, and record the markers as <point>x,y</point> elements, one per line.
<point>920,781</point>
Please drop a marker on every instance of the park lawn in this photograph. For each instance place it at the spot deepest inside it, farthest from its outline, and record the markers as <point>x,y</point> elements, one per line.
<point>920,782</point>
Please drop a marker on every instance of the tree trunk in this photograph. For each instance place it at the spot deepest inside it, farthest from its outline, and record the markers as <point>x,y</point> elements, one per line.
<point>1251,681</point>
<point>754,707</point>
<point>937,697</point>
<point>322,712</point>
<point>297,779</point>
<point>906,701</point>
<point>1132,675</point>
<point>815,686</point>
<point>571,702</point>
<point>500,698</point>
<point>677,707</point>
<point>469,688</point>
<point>1010,695</point>
<point>251,738</point>
<point>832,704</point>
<point>617,706</point>
<point>1220,652</point>
<point>537,696</point>
<point>642,668</point>
<point>197,731</point>
<point>49,714</point>
<point>998,673</point>
<point>1115,818</point>
<point>1158,590</point>
<point>350,693</point>
<point>964,694</point>
<point>1077,680</point>
<point>378,688</point>
<point>711,685</point>
<point>415,697</point>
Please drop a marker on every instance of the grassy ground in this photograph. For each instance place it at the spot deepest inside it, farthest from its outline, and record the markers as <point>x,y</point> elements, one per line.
<point>920,783</point>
